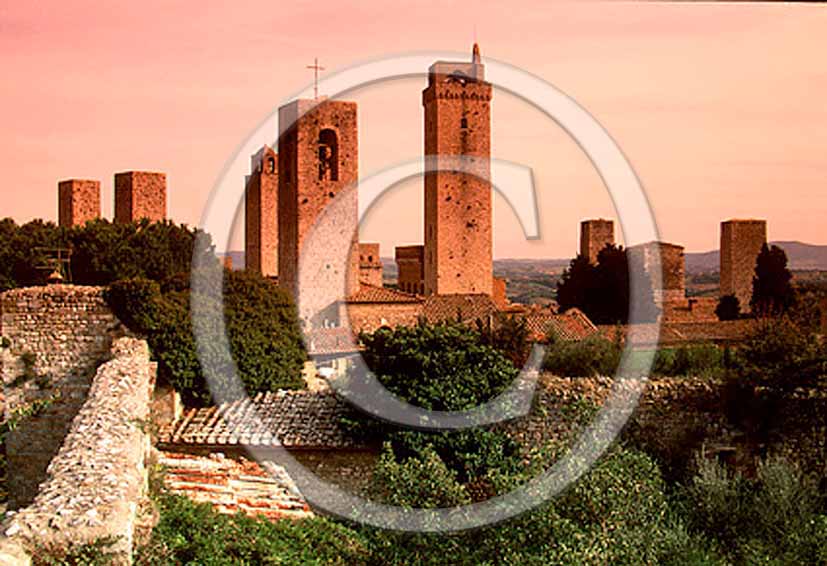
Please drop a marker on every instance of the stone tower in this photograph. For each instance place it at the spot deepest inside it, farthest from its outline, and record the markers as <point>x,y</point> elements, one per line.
<point>79,201</point>
<point>370,264</point>
<point>741,241</point>
<point>261,238</point>
<point>458,254</point>
<point>318,156</point>
<point>594,236</point>
<point>672,263</point>
<point>140,194</point>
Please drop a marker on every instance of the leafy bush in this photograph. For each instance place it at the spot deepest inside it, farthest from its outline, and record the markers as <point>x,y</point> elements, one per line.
<point>442,367</point>
<point>692,360</point>
<point>192,533</point>
<point>95,553</point>
<point>587,358</point>
<point>777,516</point>
<point>729,308</point>
<point>261,324</point>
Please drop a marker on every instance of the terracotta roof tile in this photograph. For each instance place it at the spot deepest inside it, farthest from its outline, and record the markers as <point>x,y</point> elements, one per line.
<point>464,308</point>
<point>373,294</point>
<point>572,325</point>
<point>292,419</point>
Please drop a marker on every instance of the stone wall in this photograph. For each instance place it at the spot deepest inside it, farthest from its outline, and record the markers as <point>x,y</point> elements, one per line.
<point>595,235</point>
<point>96,484</point>
<point>79,201</point>
<point>741,241</point>
<point>57,337</point>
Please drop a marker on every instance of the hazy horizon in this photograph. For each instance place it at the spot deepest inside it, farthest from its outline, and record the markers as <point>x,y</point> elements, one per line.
<point>719,107</point>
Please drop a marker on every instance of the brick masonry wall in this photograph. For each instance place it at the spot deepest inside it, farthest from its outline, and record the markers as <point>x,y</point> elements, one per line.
<point>411,269</point>
<point>58,335</point>
<point>367,317</point>
<point>741,241</point>
<point>79,201</point>
<point>370,264</point>
<point>96,484</point>
<point>140,194</point>
<point>672,267</point>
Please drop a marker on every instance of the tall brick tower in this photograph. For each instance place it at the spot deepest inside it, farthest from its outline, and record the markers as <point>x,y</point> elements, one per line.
<point>594,236</point>
<point>318,157</point>
<point>140,194</point>
<point>79,201</point>
<point>741,241</point>
<point>261,237</point>
<point>458,254</point>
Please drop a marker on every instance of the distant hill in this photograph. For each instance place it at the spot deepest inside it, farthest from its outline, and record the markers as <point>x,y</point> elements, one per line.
<point>801,256</point>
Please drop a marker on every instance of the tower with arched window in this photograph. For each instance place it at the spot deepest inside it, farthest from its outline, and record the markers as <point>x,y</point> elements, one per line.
<point>318,156</point>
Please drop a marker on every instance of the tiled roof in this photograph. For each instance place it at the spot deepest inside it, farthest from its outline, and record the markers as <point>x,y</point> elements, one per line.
<point>466,308</point>
<point>572,325</point>
<point>373,294</point>
<point>325,341</point>
<point>292,419</point>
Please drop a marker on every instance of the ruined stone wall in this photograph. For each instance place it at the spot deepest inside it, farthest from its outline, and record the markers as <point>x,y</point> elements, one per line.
<point>741,241</point>
<point>140,194</point>
<point>57,337</point>
<point>96,483</point>
<point>594,236</point>
<point>79,201</point>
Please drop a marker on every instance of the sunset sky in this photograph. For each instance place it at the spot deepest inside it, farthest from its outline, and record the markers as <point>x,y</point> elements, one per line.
<point>721,108</point>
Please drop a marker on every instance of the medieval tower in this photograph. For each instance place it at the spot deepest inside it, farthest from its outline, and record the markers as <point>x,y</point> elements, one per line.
<point>594,236</point>
<point>318,157</point>
<point>140,194</point>
<point>741,241</point>
<point>458,248</point>
<point>79,201</point>
<point>261,214</point>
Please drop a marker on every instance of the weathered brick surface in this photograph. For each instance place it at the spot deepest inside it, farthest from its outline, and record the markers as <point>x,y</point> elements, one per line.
<point>140,194</point>
<point>79,201</point>
<point>410,262</point>
<point>741,241</point>
<point>458,248</point>
<point>58,335</point>
<point>318,155</point>
<point>594,236</point>
<point>261,238</point>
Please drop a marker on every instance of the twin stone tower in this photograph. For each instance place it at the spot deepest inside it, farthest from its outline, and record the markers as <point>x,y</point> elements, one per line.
<point>317,159</point>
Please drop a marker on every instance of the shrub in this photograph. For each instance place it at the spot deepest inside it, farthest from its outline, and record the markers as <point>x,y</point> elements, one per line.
<point>442,367</point>
<point>261,327</point>
<point>587,358</point>
<point>692,360</point>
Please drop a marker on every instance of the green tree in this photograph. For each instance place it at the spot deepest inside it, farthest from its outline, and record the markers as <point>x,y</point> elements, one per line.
<point>772,290</point>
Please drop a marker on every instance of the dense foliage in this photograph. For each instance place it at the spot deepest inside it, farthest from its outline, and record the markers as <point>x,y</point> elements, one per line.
<point>602,291</point>
<point>728,308</point>
<point>261,325</point>
<point>102,251</point>
<point>772,290</point>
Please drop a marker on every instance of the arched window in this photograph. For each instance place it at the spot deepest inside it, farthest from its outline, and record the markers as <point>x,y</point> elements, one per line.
<point>271,164</point>
<point>463,123</point>
<point>328,155</point>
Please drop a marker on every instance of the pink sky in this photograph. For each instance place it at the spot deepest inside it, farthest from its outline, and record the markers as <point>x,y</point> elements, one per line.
<point>722,109</point>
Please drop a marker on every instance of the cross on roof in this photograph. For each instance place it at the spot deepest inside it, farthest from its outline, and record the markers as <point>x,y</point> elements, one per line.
<point>316,68</point>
